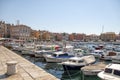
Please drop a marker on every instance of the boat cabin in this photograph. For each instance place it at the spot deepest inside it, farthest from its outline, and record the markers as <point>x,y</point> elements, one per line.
<point>76,60</point>
<point>113,69</point>
<point>60,54</point>
<point>98,52</point>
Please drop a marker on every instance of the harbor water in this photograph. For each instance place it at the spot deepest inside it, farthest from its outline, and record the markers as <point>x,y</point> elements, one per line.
<point>56,69</point>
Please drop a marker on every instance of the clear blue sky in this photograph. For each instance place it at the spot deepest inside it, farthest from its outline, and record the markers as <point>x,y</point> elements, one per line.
<point>79,16</point>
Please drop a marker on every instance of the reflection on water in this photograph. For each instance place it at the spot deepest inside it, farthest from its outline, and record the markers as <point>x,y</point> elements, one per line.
<point>56,69</point>
<point>71,75</point>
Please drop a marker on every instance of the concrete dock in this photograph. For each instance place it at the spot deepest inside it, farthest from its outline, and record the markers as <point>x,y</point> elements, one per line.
<point>25,69</point>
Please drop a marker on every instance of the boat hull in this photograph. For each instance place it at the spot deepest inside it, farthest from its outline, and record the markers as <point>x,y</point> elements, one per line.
<point>105,76</point>
<point>39,55</point>
<point>92,72</point>
<point>55,59</point>
<point>72,67</point>
<point>116,61</point>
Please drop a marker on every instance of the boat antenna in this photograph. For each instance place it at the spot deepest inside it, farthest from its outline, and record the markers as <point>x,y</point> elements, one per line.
<point>102,28</point>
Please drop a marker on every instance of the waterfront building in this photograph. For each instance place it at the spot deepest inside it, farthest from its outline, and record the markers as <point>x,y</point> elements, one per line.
<point>5,29</point>
<point>65,36</point>
<point>34,35</point>
<point>2,29</point>
<point>87,38</point>
<point>80,37</point>
<point>91,37</point>
<point>94,37</point>
<point>108,36</point>
<point>72,37</point>
<point>21,32</point>
<point>76,37</point>
<point>57,36</point>
<point>118,37</point>
<point>44,35</point>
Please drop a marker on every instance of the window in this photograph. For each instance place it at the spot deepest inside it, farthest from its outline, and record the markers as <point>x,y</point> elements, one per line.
<point>73,61</point>
<point>54,55</point>
<point>100,52</point>
<point>108,70</point>
<point>117,72</point>
<point>63,55</point>
<point>96,52</point>
<point>70,60</point>
<point>81,61</point>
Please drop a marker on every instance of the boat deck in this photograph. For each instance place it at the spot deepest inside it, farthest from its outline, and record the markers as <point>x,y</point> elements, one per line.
<point>98,66</point>
<point>25,69</point>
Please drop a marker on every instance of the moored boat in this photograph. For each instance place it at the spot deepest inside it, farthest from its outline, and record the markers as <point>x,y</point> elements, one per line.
<point>97,53</point>
<point>59,56</point>
<point>110,55</point>
<point>75,63</point>
<point>93,69</point>
<point>116,59</point>
<point>41,53</point>
<point>111,72</point>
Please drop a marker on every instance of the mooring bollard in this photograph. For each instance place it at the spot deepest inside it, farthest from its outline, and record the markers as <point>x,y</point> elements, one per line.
<point>11,67</point>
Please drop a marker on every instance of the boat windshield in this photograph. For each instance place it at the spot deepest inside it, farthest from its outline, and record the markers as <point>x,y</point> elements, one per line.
<point>55,55</point>
<point>72,61</point>
<point>62,55</point>
<point>100,52</point>
<point>116,72</point>
<point>80,61</point>
<point>108,70</point>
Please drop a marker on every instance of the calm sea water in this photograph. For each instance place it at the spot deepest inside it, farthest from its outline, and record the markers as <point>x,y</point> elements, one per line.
<point>56,69</point>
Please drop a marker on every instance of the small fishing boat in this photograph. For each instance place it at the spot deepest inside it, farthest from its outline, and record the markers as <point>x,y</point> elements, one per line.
<point>41,53</point>
<point>116,59</point>
<point>93,69</point>
<point>97,53</point>
<point>111,72</point>
<point>78,52</point>
<point>75,63</point>
<point>110,55</point>
<point>59,56</point>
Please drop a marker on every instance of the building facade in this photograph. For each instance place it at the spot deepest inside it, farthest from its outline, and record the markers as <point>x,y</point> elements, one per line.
<point>5,29</point>
<point>2,25</point>
<point>108,36</point>
<point>21,32</point>
<point>118,37</point>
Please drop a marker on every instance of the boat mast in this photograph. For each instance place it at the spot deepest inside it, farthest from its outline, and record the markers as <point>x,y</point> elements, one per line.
<point>102,28</point>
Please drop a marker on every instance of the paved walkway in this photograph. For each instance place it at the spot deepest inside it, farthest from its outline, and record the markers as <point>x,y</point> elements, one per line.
<point>25,69</point>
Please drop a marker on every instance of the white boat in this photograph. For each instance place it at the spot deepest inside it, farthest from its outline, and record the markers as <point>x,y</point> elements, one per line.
<point>78,52</point>
<point>116,59</point>
<point>16,47</point>
<point>61,56</point>
<point>111,72</point>
<point>28,52</point>
<point>117,48</point>
<point>29,46</point>
<point>69,49</point>
<point>75,63</point>
<point>93,69</point>
<point>57,57</point>
<point>41,53</point>
<point>110,55</point>
<point>47,47</point>
<point>109,47</point>
<point>97,53</point>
